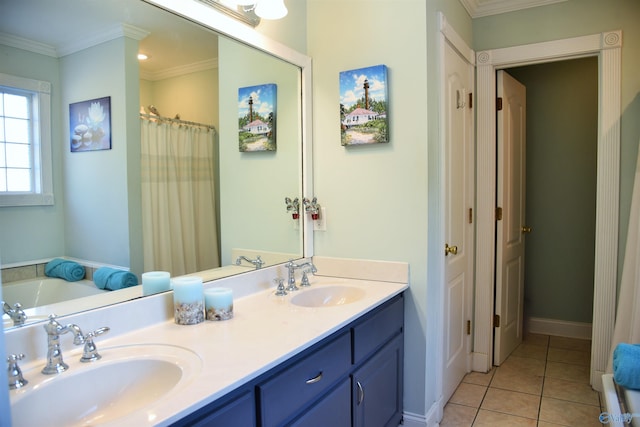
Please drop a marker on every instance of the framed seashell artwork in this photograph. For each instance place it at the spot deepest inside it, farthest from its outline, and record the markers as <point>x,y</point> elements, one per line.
<point>90,125</point>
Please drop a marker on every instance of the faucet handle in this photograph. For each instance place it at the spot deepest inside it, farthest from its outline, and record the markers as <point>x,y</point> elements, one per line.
<point>90,352</point>
<point>14,374</point>
<point>304,282</point>
<point>280,291</point>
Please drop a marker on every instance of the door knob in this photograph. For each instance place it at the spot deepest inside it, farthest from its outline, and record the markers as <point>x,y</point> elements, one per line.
<point>526,229</point>
<point>450,250</point>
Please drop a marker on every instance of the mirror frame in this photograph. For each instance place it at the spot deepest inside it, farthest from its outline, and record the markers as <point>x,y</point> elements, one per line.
<point>223,24</point>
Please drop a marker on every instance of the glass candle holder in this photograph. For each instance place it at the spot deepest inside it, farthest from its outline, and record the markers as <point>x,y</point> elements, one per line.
<point>188,300</point>
<point>154,282</point>
<point>219,303</point>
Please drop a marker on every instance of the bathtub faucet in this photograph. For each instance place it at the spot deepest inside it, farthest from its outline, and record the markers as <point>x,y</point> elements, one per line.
<point>258,262</point>
<point>55,364</point>
<point>16,313</point>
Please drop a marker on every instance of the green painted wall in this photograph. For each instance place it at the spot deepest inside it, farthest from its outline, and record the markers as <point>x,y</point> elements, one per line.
<point>35,232</point>
<point>381,199</point>
<point>562,117</point>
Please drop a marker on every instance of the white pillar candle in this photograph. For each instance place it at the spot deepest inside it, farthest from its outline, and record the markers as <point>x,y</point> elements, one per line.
<point>188,300</point>
<point>155,281</point>
<point>219,303</point>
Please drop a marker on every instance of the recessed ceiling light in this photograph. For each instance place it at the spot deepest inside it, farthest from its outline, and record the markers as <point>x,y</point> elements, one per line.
<point>142,57</point>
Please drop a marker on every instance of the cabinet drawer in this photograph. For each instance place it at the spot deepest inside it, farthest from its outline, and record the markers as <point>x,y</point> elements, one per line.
<point>374,332</point>
<point>334,410</point>
<point>290,390</point>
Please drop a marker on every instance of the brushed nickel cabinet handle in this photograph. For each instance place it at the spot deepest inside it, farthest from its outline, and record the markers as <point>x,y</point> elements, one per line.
<point>314,379</point>
<point>360,392</point>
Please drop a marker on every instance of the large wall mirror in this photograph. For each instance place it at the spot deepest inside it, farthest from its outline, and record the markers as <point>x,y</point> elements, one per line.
<point>87,51</point>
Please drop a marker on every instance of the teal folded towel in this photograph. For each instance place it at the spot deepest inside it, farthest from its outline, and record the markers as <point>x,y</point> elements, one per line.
<point>64,269</point>
<point>626,365</point>
<point>113,279</point>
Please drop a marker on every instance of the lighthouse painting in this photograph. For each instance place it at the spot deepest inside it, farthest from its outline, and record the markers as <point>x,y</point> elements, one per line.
<point>257,118</point>
<point>363,106</point>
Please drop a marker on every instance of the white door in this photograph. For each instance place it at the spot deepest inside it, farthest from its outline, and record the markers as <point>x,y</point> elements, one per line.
<point>511,229</point>
<point>459,187</point>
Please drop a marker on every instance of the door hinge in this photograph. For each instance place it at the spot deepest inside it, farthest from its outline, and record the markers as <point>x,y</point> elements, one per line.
<point>468,327</point>
<point>498,104</point>
<point>498,214</point>
<point>470,215</point>
<point>470,100</point>
<point>496,320</point>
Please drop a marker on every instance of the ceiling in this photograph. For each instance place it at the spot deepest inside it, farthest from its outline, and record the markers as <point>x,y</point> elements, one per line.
<point>61,27</point>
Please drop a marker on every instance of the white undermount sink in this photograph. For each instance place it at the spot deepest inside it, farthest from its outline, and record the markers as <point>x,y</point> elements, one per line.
<point>327,296</point>
<point>128,379</point>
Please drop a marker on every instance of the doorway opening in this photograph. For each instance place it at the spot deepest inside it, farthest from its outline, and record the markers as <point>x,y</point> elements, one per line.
<point>560,196</point>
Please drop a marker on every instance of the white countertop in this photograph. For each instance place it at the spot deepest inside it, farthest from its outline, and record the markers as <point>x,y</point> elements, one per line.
<point>265,331</point>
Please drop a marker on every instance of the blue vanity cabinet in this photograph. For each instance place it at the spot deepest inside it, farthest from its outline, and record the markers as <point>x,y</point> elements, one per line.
<point>235,410</point>
<point>351,378</point>
<point>300,384</point>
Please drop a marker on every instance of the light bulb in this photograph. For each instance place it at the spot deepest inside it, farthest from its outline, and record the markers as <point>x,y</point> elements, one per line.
<point>271,9</point>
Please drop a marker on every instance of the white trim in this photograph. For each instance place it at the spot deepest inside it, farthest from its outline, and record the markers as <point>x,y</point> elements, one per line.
<point>113,33</point>
<point>560,328</point>
<point>180,70</point>
<point>42,173</point>
<point>28,45</point>
<point>413,420</point>
<point>607,46</point>
<point>478,8</point>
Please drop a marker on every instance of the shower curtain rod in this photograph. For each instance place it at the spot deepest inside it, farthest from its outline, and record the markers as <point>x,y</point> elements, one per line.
<point>183,122</point>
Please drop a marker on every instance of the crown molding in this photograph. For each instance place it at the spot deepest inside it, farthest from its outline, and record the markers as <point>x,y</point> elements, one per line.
<point>28,45</point>
<point>480,8</point>
<point>117,31</point>
<point>180,70</point>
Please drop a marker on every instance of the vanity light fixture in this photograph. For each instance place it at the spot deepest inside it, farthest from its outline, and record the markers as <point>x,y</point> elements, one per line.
<point>266,9</point>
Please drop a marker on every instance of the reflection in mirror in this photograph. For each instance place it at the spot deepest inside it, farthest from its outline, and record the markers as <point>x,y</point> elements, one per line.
<point>88,51</point>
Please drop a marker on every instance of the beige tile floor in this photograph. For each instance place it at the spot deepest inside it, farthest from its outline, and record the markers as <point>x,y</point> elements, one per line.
<point>543,383</point>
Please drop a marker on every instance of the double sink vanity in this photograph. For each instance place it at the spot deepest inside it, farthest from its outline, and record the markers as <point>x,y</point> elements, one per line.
<point>328,354</point>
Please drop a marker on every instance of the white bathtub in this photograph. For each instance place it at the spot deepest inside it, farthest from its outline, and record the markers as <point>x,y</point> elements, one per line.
<point>46,290</point>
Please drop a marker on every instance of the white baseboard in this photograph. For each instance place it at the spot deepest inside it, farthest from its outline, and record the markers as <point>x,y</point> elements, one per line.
<point>562,328</point>
<point>413,420</point>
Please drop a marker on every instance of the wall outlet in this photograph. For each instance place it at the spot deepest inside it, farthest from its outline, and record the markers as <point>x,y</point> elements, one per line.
<point>320,224</point>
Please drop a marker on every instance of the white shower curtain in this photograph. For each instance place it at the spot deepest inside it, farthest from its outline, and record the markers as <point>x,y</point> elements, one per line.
<point>627,326</point>
<point>178,200</point>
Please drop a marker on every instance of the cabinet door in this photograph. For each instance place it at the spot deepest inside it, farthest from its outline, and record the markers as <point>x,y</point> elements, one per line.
<point>334,410</point>
<point>239,412</point>
<point>377,388</point>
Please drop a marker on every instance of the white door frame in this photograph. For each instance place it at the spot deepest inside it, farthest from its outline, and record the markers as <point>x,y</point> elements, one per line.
<point>607,47</point>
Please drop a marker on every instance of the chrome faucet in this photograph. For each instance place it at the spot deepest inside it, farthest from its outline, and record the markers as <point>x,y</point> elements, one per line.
<point>291,282</point>
<point>258,262</point>
<point>16,313</point>
<point>55,364</point>
<point>16,380</point>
